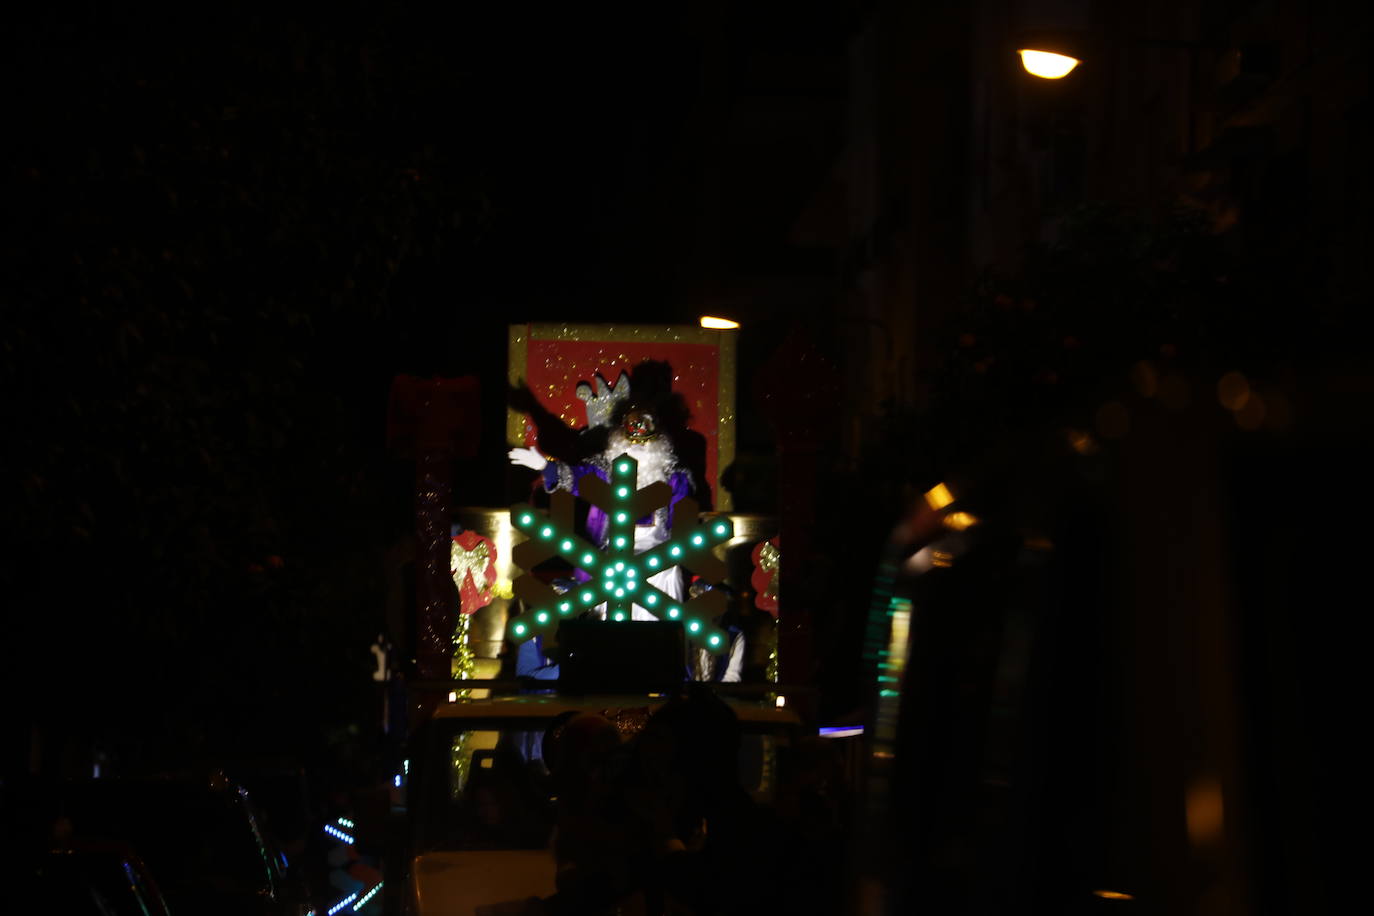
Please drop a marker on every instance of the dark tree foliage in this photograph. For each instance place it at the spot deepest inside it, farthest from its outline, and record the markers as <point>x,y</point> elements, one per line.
<point>209,226</point>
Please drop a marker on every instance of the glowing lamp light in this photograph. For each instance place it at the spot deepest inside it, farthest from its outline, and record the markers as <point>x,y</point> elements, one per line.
<point>630,586</point>
<point>546,532</point>
<point>620,593</point>
<point>525,519</point>
<point>518,629</point>
<point>939,496</point>
<point>623,492</point>
<point>1046,64</point>
<point>673,612</point>
<point>587,597</point>
<point>620,542</point>
<point>619,615</point>
<point>588,559</point>
<point>565,607</point>
<point>622,517</point>
<point>960,521</point>
<point>631,572</point>
<point>653,562</point>
<point>566,545</point>
<point>623,467</point>
<point>676,551</point>
<point>714,640</point>
<point>1113,895</point>
<point>620,566</point>
<point>840,731</point>
<point>718,324</point>
<point>694,626</point>
<point>722,529</point>
<point>651,600</point>
<point>542,617</point>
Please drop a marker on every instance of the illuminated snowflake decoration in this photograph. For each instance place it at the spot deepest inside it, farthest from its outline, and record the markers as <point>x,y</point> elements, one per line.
<point>619,576</point>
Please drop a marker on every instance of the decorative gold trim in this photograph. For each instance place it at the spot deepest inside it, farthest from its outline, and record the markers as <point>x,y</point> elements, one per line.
<point>518,354</point>
<point>625,333</point>
<point>723,341</point>
<point>725,404</point>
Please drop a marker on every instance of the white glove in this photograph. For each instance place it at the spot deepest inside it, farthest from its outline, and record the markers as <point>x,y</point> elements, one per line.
<point>527,458</point>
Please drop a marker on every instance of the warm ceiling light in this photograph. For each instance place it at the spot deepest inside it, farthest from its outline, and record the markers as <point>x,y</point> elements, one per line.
<point>720,324</point>
<point>1047,64</point>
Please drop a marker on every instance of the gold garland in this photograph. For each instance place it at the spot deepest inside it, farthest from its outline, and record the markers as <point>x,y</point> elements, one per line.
<point>464,664</point>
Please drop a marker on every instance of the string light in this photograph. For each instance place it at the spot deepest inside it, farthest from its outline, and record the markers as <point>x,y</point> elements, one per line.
<point>368,896</point>
<point>338,834</point>
<point>618,567</point>
<point>342,903</point>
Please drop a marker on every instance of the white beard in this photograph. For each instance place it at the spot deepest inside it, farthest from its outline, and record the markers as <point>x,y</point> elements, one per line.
<point>656,459</point>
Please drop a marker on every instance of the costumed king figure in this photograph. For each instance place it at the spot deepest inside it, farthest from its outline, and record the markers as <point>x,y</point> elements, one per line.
<point>642,417</point>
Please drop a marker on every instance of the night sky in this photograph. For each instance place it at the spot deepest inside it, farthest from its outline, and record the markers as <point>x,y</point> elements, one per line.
<point>226,232</point>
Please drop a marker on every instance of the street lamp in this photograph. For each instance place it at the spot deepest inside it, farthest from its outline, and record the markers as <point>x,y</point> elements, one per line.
<point>1047,64</point>
<point>1054,53</point>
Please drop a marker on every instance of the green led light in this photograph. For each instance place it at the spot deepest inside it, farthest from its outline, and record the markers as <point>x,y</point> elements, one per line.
<point>518,629</point>
<point>651,600</point>
<point>722,529</point>
<point>619,615</point>
<point>623,467</point>
<point>609,570</point>
<point>620,542</point>
<point>620,593</point>
<point>588,559</point>
<point>653,562</point>
<point>714,640</point>
<point>673,612</point>
<point>546,532</point>
<point>526,519</point>
<point>694,625</point>
<point>622,492</point>
<point>630,586</point>
<point>675,550</point>
<point>610,584</point>
<point>698,540</point>
<point>565,607</point>
<point>566,545</point>
<point>542,617</point>
<point>620,566</point>
<point>587,597</point>
<point>622,517</point>
<point>631,572</point>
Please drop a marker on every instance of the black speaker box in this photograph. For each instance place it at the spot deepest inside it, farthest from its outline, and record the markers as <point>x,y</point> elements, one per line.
<point>636,656</point>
